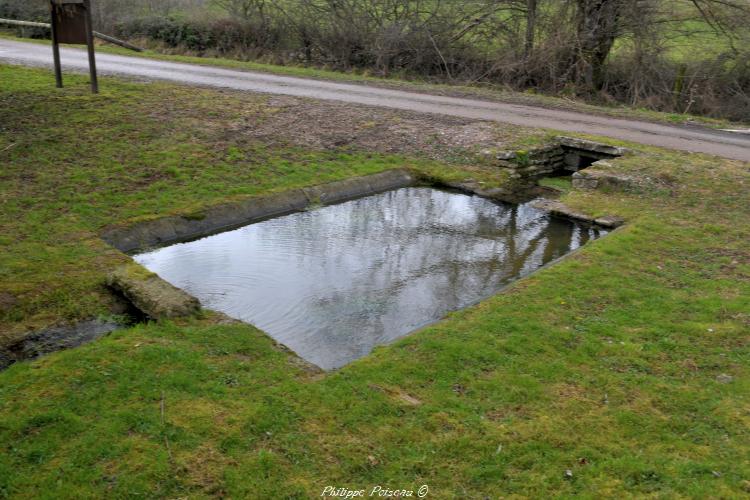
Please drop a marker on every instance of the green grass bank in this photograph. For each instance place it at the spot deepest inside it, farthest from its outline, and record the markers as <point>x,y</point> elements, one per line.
<point>626,364</point>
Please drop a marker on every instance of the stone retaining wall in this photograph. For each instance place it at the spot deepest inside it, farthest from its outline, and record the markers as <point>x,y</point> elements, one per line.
<point>565,156</point>
<point>528,166</point>
<point>173,229</point>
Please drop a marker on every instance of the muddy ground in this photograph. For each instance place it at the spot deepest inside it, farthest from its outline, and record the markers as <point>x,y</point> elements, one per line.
<point>326,125</point>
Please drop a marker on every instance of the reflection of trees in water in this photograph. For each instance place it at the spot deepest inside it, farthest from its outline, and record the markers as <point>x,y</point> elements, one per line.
<point>334,282</point>
<point>394,261</point>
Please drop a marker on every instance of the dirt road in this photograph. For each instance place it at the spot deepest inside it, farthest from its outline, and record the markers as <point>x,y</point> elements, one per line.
<point>695,139</point>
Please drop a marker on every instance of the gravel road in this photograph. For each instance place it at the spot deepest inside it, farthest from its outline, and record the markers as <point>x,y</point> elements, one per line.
<point>686,138</point>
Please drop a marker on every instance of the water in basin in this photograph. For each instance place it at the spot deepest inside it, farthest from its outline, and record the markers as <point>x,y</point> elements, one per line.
<point>333,283</point>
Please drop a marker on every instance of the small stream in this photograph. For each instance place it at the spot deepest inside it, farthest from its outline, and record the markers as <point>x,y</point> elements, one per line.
<point>333,283</point>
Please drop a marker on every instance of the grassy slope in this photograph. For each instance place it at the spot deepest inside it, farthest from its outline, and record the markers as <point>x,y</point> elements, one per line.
<point>476,91</point>
<point>604,364</point>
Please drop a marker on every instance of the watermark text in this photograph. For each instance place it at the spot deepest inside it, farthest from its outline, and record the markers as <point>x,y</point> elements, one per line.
<point>377,491</point>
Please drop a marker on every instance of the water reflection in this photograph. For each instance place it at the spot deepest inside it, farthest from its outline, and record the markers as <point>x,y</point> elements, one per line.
<point>333,283</point>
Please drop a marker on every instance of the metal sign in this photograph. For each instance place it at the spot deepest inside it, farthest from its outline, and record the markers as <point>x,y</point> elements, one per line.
<point>71,23</point>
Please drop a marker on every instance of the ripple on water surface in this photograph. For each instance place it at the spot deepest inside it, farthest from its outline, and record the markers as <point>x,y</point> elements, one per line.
<point>333,283</point>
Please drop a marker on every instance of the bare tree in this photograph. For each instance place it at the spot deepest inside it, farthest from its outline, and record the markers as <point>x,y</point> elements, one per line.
<point>245,9</point>
<point>549,45</point>
<point>531,13</point>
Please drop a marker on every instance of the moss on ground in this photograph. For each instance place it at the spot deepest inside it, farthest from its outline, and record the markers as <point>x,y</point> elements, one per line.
<point>626,364</point>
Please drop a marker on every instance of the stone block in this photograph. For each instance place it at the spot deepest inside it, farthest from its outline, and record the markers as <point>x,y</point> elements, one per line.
<point>151,294</point>
<point>599,179</point>
<point>591,146</point>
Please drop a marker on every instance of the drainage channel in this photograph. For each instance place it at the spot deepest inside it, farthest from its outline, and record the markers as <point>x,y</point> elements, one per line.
<point>55,339</point>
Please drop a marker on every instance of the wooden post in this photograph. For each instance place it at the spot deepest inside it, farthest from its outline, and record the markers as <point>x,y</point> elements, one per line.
<point>71,23</point>
<point>56,48</point>
<point>90,43</point>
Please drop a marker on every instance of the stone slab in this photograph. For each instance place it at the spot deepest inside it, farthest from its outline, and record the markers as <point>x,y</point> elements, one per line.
<point>150,294</point>
<point>591,146</point>
<point>592,178</point>
<point>561,210</point>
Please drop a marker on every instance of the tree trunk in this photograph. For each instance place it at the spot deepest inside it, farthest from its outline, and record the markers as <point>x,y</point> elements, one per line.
<point>531,9</point>
<point>598,27</point>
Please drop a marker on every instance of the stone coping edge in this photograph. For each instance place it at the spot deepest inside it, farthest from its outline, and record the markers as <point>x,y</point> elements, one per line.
<point>154,233</point>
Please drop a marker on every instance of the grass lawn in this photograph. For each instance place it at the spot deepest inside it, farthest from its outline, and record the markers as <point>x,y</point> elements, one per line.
<point>625,364</point>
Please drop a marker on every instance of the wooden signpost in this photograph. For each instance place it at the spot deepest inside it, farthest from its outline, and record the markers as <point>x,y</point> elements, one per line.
<point>71,23</point>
